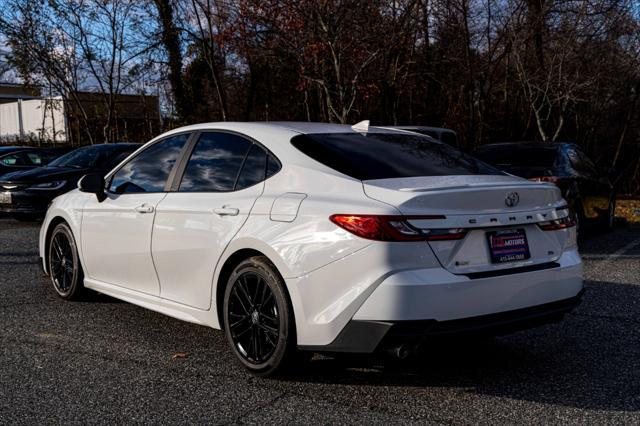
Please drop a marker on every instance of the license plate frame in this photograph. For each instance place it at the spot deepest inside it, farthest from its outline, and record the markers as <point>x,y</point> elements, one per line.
<point>508,245</point>
<point>5,198</point>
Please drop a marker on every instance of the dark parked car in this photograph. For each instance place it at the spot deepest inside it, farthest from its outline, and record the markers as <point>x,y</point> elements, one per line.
<point>16,158</point>
<point>586,188</point>
<point>26,194</point>
<point>447,136</point>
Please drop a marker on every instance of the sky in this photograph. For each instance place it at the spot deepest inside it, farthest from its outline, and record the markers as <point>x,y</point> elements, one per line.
<point>7,75</point>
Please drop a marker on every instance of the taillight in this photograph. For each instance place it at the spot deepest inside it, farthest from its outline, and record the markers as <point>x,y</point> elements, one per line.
<point>554,225</point>
<point>394,228</point>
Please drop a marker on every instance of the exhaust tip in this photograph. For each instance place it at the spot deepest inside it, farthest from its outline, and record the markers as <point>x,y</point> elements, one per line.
<point>400,352</point>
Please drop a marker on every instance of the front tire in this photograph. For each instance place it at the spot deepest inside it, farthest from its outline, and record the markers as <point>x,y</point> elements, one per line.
<point>64,266</point>
<point>258,317</point>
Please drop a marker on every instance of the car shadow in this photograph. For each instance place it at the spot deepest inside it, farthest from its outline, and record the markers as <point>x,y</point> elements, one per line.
<point>587,361</point>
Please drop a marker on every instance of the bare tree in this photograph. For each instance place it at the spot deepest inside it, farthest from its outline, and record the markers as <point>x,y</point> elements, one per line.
<point>43,55</point>
<point>557,80</point>
<point>105,33</point>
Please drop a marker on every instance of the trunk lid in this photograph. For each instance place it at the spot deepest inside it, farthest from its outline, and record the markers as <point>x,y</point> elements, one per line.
<point>461,194</point>
<point>479,204</point>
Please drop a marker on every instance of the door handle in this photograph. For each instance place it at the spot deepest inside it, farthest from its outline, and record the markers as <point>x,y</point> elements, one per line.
<point>145,208</point>
<point>226,211</point>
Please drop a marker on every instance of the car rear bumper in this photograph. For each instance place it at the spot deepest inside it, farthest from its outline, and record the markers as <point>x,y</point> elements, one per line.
<point>432,301</point>
<point>366,336</point>
<point>437,294</point>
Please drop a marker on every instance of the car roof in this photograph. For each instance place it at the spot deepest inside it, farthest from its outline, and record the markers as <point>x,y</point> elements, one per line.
<point>15,148</point>
<point>276,136</point>
<point>298,127</point>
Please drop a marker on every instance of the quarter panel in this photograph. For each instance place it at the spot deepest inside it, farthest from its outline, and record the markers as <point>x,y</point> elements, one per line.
<point>326,299</point>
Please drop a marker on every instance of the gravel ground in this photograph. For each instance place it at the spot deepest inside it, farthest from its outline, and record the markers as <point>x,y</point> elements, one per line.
<point>106,361</point>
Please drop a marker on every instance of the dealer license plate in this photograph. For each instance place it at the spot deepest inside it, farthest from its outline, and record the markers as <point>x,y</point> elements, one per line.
<point>508,245</point>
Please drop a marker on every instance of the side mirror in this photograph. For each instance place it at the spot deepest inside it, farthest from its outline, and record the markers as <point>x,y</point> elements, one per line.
<point>93,183</point>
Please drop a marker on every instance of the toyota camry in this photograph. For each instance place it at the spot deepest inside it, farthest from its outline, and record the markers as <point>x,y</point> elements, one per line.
<point>296,238</point>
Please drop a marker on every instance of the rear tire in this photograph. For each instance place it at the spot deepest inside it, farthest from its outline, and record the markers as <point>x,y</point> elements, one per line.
<point>258,318</point>
<point>63,264</point>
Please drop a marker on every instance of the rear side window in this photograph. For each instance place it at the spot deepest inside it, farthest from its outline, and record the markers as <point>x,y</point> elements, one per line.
<point>388,155</point>
<point>149,170</point>
<point>254,168</point>
<point>34,158</point>
<point>215,163</point>
<point>273,166</point>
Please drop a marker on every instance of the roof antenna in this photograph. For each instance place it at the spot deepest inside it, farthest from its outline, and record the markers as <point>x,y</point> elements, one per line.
<point>362,126</point>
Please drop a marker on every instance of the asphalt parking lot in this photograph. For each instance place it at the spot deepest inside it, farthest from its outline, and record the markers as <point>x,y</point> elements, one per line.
<point>105,361</point>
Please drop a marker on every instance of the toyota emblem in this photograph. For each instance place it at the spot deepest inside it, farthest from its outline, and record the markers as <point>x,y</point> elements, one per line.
<point>512,199</point>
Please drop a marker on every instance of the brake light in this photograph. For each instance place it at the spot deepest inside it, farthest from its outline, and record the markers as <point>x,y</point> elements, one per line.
<point>394,228</point>
<point>555,225</point>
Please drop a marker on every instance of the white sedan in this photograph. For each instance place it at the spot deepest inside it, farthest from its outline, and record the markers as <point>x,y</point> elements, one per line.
<point>295,237</point>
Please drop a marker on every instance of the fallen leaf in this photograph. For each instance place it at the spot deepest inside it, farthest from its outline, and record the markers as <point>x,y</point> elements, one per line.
<point>177,355</point>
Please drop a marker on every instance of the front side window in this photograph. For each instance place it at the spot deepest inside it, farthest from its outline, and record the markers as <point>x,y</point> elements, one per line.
<point>13,160</point>
<point>388,155</point>
<point>215,163</point>
<point>149,170</point>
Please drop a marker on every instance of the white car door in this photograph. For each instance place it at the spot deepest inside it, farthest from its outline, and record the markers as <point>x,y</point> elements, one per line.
<point>222,179</point>
<point>116,233</point>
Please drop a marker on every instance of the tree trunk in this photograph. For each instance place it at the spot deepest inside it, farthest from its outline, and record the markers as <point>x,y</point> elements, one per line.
<point>171,41</point>
<point>537,25</point>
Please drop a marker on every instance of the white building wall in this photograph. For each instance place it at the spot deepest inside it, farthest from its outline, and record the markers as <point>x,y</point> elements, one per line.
<point>41,119</point>
<point>9,120</point>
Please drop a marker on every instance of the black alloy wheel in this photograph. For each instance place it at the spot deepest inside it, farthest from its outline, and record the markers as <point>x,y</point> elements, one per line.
<point>64,264</point>
<point>258,318</point>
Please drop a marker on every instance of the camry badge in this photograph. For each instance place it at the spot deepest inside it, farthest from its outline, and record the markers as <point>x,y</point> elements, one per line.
<point>512,199</point>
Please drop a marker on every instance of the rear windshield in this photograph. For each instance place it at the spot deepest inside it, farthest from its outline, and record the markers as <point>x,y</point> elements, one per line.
<point>519,156</point>
<point>388,155</point>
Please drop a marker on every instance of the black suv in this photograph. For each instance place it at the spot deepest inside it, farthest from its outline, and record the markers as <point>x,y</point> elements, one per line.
<point>586,188</point>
